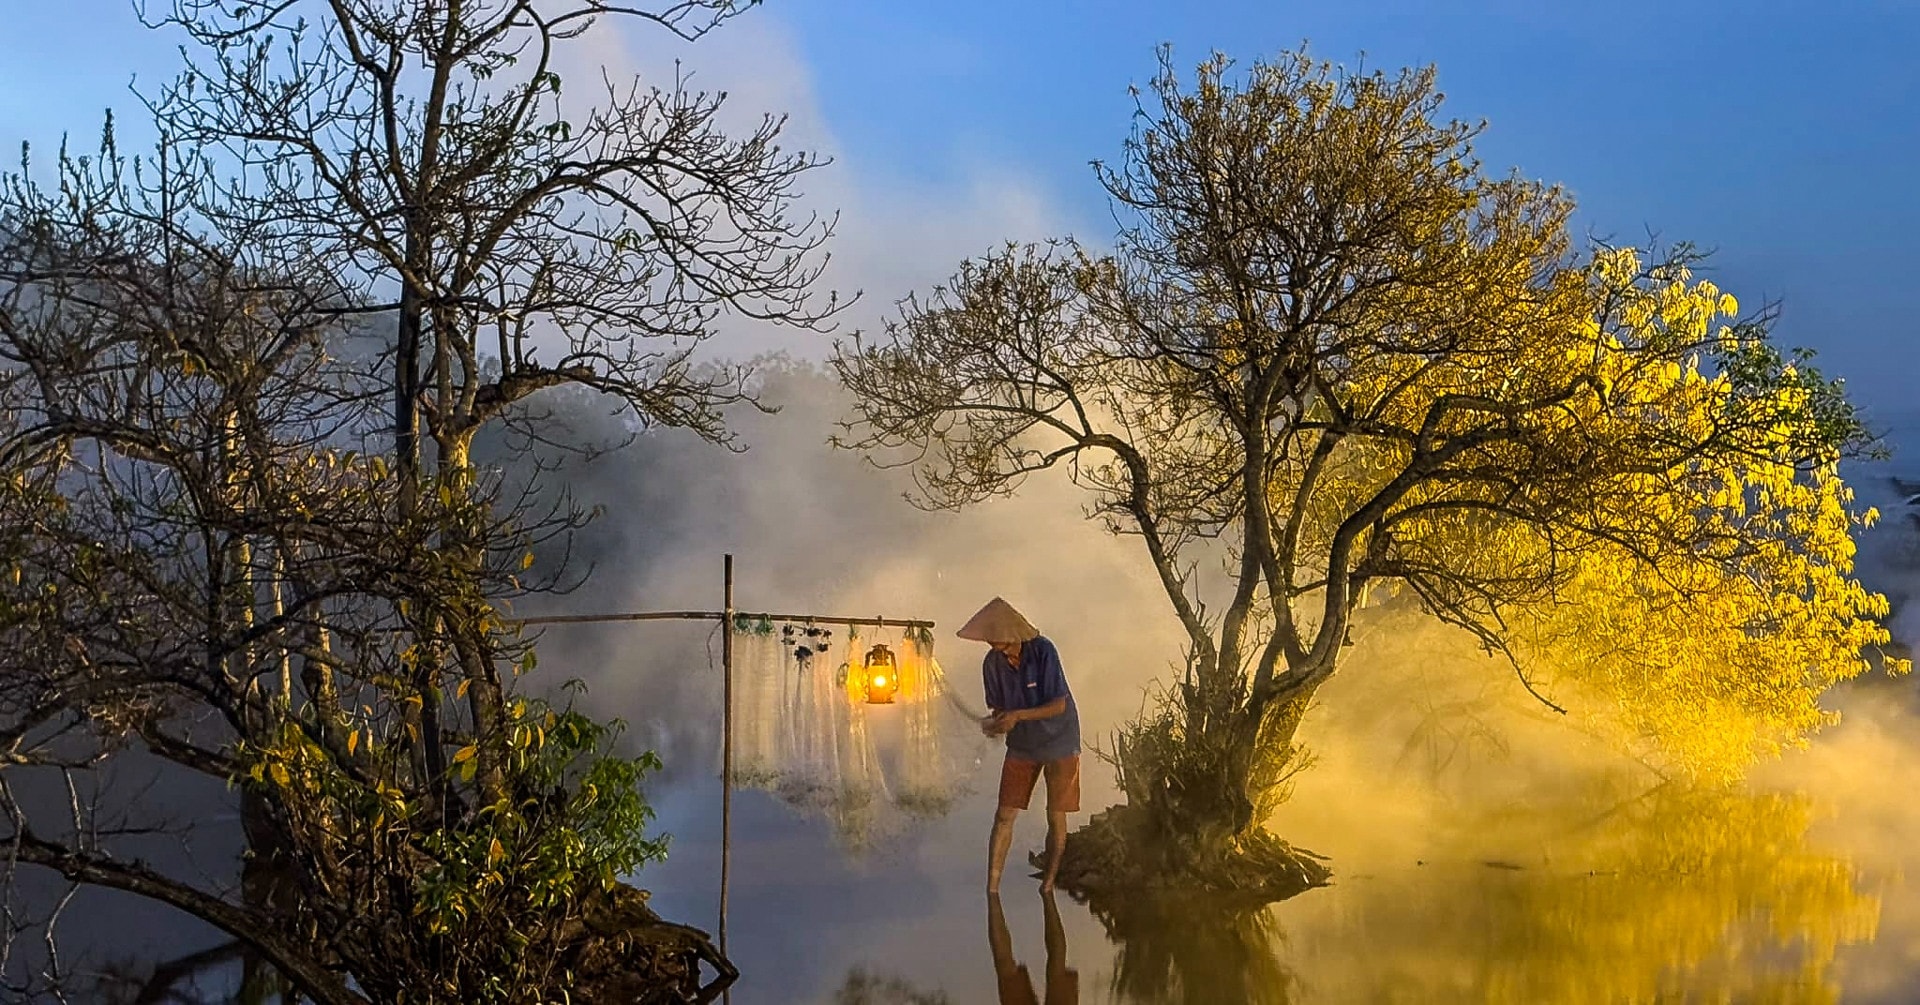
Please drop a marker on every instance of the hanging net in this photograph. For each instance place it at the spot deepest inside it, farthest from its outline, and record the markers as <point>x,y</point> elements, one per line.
<point>942,744</point>
<point>805,729</point>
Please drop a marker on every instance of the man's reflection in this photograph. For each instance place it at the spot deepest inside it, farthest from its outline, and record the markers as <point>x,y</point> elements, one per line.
<point>1016,984</point>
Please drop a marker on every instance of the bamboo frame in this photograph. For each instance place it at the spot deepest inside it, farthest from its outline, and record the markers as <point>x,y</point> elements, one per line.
<point>727,616</point>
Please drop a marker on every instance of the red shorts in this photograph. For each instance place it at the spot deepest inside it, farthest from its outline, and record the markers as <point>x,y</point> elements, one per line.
<point>1017,778</point>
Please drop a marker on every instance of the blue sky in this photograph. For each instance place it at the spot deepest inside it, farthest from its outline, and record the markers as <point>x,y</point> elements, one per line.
<point>1786,136</point>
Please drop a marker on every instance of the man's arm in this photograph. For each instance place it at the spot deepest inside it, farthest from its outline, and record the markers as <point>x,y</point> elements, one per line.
<point>996,723</point>
<point>1057,706</point>
<point>995,700</point>
<point>1053,687</point>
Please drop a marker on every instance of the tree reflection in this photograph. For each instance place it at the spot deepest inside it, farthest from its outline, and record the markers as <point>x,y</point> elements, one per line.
<point>1717,893</point>
<point>863,988</point>
<point>1671,893</point>
<point>1195,952</point>
<point>1674,892</point>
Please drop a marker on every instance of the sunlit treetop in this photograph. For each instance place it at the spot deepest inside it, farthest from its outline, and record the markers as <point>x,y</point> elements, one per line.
<point>1328,346</point>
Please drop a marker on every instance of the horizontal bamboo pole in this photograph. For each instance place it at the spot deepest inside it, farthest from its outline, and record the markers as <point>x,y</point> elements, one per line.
<point>817,619</point>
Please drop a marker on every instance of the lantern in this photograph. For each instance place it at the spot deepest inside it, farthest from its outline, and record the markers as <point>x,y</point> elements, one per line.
<point>882,676</point>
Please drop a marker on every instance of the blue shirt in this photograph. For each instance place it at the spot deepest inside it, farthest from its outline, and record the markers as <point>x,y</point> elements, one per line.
<point>1035,682</point>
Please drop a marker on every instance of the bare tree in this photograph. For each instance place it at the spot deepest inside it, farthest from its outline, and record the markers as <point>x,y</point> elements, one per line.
<point>419,149</point>
<point>210,564</point>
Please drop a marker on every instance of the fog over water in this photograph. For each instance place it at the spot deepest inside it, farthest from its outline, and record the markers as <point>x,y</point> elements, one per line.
<point>1482,848</point>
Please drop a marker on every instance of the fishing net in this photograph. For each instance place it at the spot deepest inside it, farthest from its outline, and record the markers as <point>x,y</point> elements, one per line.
<point>805,730</point>
<point>942,744</point>
<point>759,725</point>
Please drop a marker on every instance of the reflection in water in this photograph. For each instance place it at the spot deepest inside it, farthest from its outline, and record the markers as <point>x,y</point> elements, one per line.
<point>863,988</point>
<point>1197,953</point>
<point>1012,978</point>
<point>1597,894</point>
<point>1672,893</point>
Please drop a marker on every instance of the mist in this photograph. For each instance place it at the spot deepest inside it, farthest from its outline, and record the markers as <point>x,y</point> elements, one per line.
<point>1482,845</point>
<point>1439,789</point>
<point>819,530</point>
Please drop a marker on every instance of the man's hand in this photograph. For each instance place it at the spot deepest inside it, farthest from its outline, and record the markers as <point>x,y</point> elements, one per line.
<point>999,723</point>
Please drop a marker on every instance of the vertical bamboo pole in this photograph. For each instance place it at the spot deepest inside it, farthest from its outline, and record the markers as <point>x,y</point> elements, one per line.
<point>279,612</point>
<point>726,753</point>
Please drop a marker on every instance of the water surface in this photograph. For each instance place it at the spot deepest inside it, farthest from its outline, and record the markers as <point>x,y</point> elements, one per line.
<point>1591,889</point>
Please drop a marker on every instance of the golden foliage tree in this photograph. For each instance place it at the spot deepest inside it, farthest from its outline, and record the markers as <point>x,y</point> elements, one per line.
<point>1332,357</point>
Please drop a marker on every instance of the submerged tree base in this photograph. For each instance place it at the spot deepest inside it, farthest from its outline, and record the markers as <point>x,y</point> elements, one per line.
<point>1116,858</point>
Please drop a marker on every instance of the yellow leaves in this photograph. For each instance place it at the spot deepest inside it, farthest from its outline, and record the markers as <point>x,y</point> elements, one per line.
<point>465,754</point>
<point>281,776</point>
<point>496,852</point>
<point>1718,655</point>
<point>1708,595</point>
<point>1617,266</point>
<point>353,741</point>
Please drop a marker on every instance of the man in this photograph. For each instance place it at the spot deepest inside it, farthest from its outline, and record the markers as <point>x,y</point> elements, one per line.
<point>1031,706</point>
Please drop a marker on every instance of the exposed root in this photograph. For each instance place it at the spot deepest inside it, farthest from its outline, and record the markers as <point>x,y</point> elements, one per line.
<point>1113,860</point>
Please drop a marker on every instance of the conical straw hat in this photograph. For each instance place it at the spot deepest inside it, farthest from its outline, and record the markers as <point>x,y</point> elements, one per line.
<point>998,622</point>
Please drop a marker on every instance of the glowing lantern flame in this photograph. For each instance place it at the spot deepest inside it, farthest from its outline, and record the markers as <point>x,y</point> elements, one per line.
<point>881,679</point>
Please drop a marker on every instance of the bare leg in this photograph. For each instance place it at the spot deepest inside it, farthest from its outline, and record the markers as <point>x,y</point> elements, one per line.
<point>999,940</point>
<point>1015,985</point>
<point>1063,983</point>
<point>1056,938</point>
<point>1056,844</point>
<point>997,844</point>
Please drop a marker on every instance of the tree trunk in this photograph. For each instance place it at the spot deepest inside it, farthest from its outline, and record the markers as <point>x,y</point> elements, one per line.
<point>485,700</point>
<point>1272,755</point>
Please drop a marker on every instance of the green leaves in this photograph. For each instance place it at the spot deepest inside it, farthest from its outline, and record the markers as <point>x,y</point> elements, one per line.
<point>1785,390</point>
<point>574,818</point>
